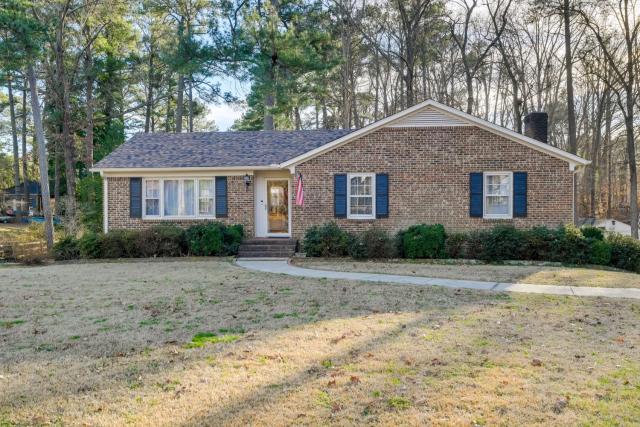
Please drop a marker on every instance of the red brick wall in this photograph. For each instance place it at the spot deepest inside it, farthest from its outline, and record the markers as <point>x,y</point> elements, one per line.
<point>429,178</point>
<point>240,205</point>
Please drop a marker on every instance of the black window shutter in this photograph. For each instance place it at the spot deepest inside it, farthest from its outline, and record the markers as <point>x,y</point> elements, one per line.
<point>222,210</point>
<point>476,185</point>
<point>519,194</point>
<point>340,196</point>
<point>382,195</point>
<point>135,197</point>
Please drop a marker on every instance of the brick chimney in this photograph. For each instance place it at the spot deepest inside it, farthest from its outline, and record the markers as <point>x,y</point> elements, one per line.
<point>536,126</point>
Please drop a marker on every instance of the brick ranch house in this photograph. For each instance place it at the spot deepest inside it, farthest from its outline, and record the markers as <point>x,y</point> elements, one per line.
<point>427,164</point>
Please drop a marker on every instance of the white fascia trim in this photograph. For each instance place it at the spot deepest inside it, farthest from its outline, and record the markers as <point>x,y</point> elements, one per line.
<point>186,169</point>
<point>572,159</point>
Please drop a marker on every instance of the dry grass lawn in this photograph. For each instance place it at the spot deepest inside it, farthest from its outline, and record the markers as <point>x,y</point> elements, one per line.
<point>186,342</point>
<point>537,275</point>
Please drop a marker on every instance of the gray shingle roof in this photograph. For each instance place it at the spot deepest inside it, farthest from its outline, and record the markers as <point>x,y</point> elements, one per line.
<point>216,149</point>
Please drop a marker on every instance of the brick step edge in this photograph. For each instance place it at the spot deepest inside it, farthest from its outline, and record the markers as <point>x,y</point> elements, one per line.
<point>268,247</point>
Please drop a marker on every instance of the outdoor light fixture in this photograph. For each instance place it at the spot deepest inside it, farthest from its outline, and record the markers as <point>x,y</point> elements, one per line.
<point>247,181</point>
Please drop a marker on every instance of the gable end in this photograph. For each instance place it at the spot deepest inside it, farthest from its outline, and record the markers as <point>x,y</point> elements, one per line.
<point>428,117</point>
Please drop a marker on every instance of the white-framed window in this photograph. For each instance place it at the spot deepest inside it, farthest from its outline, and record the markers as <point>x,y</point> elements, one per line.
<point>175,198</point>
<point>498,195</point>
<point>206,197</point>
<point>361,188</point>
<point>152,198</point>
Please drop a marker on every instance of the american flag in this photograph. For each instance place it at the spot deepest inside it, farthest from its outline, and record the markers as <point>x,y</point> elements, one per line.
<point>299,191</point>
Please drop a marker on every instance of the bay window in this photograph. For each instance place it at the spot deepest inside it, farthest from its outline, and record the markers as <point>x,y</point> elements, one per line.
<point>179,198</point>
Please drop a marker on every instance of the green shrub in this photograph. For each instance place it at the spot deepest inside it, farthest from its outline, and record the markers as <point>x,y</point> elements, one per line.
<point>503,242</point>
<point>600,252</point>
<point>592,233</point>
<point>90,245</point>
<point>625,252</point>
<point>474,247</point>
<point>539,243</point>
<point>424,241</point>
<point>326,240</point>
<point>373,243</point>
<point>454,246</point>
<point>161,240</point>
<point>232,238</point>
<point>66,248</point>
<point>205,239</point>
<point>119,244</point>
<point>570,246</point>
<point>214,238</point>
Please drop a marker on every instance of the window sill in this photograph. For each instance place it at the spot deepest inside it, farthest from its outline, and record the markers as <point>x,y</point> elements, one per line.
<point>177,218</point>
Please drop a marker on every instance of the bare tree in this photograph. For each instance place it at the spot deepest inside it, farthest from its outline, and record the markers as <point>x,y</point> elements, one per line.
<point>474,44</point>
<point>620,50</point>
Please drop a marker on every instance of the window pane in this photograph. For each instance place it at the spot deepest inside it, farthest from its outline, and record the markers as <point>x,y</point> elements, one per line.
<point>206,188</point>
<point>361,205</point>
<point>171,197</point>
<point>498,185</point>
<point>205,202</point>
<point>361,186</point>
<point>497,205</point>
<point>188,198</point>
<point>152,207</point>
<point>152,189</point>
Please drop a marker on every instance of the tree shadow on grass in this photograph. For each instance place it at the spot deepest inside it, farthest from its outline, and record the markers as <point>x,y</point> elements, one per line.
<point>260,303</point>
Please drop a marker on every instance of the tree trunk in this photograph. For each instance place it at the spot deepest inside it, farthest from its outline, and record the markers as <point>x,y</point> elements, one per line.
<point>571,111</point>
<point>150,80</point>
<point>68,144</point>
<point>469,82</point>
<point>42,158</point>
<point>269,99</point>
<point>325,115</point>
<point>190,103</point>
<point>56,175</point>
<point>298,119</point>
<point>180,103</point>
<point>517,107</point>
<point>14,139</point>
<point>631,153</point>
<point>25,164</point>
<point>607,141</point>
<point>88,66</point>
<point>345,34</point>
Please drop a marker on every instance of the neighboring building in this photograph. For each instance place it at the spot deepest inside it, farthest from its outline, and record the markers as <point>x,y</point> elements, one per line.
<point>609,225</point>
<point>427,164</point>
<point>13,197</point>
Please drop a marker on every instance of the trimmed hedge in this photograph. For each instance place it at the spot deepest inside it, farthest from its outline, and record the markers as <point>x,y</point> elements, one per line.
<point>424,241</point>
<point>373,243</point>
<point>327,240</point>
<point>158,241</point>
<point>214,239</point>
<point>568,244</point>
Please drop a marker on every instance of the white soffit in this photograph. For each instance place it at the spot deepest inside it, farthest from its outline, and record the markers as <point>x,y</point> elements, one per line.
<point>428,117</point>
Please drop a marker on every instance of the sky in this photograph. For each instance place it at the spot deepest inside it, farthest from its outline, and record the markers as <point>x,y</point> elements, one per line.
<point>225,114</point>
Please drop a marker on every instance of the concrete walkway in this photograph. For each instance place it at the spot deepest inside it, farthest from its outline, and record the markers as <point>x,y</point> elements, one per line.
<point>282,266</point>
